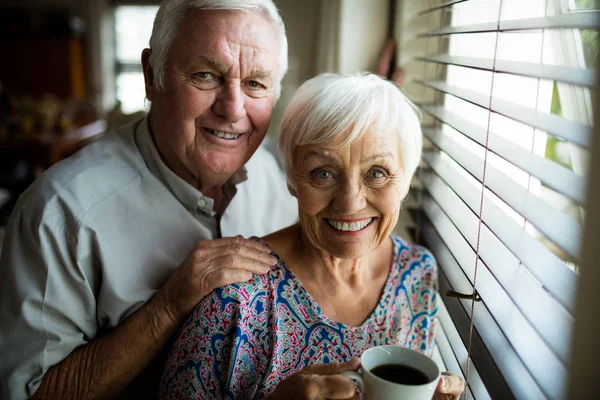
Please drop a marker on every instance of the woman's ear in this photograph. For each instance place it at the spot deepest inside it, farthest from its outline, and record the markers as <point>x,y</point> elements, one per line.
<point>291,190</point>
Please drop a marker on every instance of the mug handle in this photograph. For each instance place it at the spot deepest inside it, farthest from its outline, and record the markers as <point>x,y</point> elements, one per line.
<point>356,377</point>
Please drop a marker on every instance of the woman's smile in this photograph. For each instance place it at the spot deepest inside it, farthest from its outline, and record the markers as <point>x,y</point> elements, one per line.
<point>350,227</point>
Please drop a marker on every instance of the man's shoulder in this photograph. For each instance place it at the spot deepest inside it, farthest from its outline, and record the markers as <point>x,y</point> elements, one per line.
<point>263,160</point>
<point>263,203</point>
<point>80,181</point>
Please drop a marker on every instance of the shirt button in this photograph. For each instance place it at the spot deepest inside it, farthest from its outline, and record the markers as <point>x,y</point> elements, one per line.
<point>201,203</point>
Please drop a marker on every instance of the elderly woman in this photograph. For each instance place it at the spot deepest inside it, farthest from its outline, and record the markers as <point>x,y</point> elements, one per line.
<point>343,283</point>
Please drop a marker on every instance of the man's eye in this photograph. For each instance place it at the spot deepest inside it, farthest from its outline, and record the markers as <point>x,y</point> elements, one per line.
<point>205,75</point>
<point>255,85</point>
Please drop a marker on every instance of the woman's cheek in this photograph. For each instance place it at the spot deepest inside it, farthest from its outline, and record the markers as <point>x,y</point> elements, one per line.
<point>310,200</point>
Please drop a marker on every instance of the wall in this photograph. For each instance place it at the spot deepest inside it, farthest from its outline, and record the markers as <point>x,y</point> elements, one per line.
<point>301,23</point>
<point>363,31</point>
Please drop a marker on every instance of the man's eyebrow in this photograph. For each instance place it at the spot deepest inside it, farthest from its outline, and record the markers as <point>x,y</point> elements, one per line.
<point>213,63</point>
<point>261,74</point>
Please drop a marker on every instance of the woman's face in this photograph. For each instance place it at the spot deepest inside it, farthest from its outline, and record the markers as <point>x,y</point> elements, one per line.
<point>349,198</point>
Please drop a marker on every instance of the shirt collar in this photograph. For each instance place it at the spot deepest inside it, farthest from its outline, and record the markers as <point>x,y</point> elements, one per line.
<point>188,195</point>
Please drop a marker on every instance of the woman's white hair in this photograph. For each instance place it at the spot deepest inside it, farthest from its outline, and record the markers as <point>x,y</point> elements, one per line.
<point>334,110</point>
<point>171,13</point>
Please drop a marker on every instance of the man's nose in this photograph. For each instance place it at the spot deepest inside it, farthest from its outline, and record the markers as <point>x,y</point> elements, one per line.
<point>229,103</point>
<point>350,197</point>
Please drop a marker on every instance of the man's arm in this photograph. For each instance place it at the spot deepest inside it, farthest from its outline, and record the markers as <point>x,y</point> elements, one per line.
<point>48,305</point>
<point>104,367</point>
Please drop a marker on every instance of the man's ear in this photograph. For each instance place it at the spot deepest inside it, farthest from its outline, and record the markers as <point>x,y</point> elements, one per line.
<point>148,74</point>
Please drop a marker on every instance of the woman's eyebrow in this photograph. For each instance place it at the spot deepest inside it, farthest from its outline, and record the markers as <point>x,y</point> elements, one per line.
<point>314,153</point>
<point>379,156</point>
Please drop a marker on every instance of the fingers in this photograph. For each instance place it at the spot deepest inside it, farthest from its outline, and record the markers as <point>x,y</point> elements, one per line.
<point>335,387</point>
<point>326,381</point>
<point>334,368</point>
<point>451,385</point>
<point>224,277</point>
<point>236,241</point>
<point>244,258</point>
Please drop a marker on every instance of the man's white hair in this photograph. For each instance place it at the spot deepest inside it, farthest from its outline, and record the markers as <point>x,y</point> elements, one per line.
<point>334,110</point>
<point>170,16</point>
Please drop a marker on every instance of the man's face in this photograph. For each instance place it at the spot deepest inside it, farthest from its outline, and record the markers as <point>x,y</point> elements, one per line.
<point>221,75</point>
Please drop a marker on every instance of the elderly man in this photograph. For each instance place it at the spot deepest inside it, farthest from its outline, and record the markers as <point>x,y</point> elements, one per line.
<point>108,252</point>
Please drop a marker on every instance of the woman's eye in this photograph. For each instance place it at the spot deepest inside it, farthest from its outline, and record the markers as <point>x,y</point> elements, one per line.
<point>376,174</point>
<point>322,174</point>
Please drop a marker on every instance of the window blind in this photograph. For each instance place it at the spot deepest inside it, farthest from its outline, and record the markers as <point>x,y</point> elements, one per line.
<point>504,88</point>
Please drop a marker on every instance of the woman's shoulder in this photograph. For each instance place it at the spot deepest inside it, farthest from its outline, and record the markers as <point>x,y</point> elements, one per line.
<point>257,286</point>
<point>411,252</point>
<point>409,257</point>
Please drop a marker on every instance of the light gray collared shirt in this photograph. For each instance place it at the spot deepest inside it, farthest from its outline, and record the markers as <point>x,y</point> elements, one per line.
<point>98,234</point>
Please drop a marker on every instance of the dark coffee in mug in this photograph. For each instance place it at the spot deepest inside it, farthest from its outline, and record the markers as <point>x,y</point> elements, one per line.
<point>399,373</point>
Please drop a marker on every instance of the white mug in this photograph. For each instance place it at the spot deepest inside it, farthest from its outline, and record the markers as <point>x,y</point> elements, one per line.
<point>375,388</point>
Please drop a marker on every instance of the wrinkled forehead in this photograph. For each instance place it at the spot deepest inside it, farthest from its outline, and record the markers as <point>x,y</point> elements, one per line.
<point>370,144</point>
<point>228,33</point>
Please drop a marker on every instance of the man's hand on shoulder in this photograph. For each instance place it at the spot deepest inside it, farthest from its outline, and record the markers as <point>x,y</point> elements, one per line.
<point>212,264</point>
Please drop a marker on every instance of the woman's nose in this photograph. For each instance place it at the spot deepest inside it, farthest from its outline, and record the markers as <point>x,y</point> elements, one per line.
<point>350,198</point>
<point>229,103</point>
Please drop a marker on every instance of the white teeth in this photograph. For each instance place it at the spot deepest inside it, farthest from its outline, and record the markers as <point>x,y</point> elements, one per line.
<point>223,135</point>
<point>352,227</point>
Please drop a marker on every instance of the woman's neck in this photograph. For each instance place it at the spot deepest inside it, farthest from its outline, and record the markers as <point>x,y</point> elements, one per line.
<point>312,264</point>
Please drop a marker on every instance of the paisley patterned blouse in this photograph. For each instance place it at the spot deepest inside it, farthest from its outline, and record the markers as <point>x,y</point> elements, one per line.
<point>243,339</point>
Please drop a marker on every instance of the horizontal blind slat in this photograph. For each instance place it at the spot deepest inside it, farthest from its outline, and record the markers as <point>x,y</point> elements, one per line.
<point>491,352</point>
<point>572,131</point>
<point>452,348</point>
<point>547,371</point>
<point>558,227</point>
<point>543,265</point>
<point>553,175</point>
<point>572,75</point>
<point>450,218</point>
<point>587,20</point>
<point>440,6</point>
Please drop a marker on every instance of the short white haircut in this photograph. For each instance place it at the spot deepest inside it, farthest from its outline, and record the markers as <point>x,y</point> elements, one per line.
<point>334,110</point>
<point>172,12</point>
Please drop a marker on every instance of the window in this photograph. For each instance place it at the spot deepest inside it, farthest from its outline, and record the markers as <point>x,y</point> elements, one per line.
<point>133,26</point>
<point>506,89</point>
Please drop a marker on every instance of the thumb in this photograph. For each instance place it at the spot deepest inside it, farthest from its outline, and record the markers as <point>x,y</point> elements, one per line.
<point>450,384</point>
<point>334,368</point>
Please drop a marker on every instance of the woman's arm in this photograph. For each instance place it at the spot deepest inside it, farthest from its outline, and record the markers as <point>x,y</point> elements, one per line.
<point>223,349</point>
